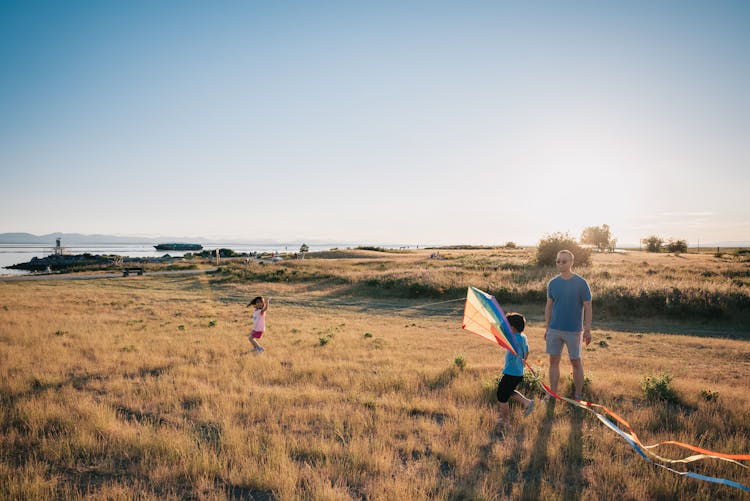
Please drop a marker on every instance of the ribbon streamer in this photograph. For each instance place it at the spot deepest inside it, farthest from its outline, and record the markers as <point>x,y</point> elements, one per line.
<point>484,317</point>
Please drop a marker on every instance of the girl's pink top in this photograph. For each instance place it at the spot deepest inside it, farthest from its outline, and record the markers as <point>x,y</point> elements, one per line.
<point>259,321</point>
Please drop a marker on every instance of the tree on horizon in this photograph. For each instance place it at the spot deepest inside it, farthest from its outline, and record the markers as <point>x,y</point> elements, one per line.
<point>598,236</point>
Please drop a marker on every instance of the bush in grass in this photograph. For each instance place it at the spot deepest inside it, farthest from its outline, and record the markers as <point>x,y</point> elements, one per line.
<point>710,395</point>
<point>572,385</point>
<point>653,243</point>
<point>529,382</point>
<point>324,340</point>
<point>460,362</point>
<point>677,246</point>
<point>659,387</point>
<point>550,245</point>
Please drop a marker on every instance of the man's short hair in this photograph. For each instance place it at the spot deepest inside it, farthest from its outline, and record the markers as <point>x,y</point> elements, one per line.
<point>567,253</point>
<point>517,321</point>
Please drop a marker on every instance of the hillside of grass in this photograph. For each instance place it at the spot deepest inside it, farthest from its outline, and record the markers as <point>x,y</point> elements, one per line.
<point>698,287</point>
<point>144,388</point>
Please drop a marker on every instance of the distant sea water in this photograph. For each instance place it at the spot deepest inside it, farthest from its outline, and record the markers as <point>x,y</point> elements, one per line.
<point>11,254</point>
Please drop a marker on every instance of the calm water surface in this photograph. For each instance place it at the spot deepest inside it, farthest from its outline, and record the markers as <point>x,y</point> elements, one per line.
<point>11,254</point>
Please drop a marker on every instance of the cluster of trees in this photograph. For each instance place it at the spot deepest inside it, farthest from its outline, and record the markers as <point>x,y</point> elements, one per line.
<point>599,238</point>
<point>657,244</point>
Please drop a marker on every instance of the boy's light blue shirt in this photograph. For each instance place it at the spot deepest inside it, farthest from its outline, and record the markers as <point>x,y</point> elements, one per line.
<point>514,364</point>
<point>567,308</point>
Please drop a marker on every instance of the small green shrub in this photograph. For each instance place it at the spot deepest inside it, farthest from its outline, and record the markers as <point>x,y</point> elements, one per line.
<point>368,334</point>
<point>571,383</point>
<point>460,362</point>
<point>324,340</point>
<point>212,323</point>
<point>529,382</point>
<point>659,388</point>
<point>710,395</point>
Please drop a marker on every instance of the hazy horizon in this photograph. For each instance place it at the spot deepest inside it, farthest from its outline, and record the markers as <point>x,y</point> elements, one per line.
<point>103,239</point>
<point>431,122</point>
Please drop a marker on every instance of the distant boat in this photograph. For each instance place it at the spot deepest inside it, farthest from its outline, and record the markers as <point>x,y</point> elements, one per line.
<point>179,247</point>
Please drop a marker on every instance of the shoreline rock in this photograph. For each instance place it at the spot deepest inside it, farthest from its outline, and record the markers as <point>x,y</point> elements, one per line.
<point>63,262</point>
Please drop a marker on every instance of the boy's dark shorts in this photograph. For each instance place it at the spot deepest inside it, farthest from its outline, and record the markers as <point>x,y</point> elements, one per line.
<point>506,386</point>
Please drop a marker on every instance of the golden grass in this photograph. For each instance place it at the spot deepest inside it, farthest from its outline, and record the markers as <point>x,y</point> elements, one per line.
<point>145,388</point>
<point>693,286</point>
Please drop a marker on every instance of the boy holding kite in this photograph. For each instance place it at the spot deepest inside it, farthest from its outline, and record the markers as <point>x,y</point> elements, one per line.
<point>513,370</point>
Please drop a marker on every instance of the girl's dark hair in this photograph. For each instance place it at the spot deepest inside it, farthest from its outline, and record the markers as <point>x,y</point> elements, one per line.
<point>517,321</point>
<point>256,299</point>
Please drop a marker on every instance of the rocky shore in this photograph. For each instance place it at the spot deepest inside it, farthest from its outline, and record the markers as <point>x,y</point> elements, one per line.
<point>66,262</point>
<point>80,262</point>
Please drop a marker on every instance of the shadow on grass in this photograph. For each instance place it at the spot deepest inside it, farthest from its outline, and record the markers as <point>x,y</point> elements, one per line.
<point>702,328</point>
<point>238,492</point>
<point>511,465</point>
<point>574,456</point>
<point>538,462</point>
<point>466,486</point>
<point>38,386</point>
<point>439,381</point>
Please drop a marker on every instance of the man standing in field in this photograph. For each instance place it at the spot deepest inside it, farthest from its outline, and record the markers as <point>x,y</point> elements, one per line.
<point>567,318</point>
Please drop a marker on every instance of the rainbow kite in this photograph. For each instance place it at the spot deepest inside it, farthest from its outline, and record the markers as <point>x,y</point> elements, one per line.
<point>484,317</point>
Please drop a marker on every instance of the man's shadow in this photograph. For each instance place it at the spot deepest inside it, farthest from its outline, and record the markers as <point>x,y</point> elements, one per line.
<point>534,473</point>
<point>573,455</point>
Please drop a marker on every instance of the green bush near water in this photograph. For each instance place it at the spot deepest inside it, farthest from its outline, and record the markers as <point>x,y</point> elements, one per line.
<point>550,245</point>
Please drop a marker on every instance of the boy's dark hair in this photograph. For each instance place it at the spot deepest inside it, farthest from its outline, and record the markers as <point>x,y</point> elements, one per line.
<point>517,321</point>
<point>256,300</point>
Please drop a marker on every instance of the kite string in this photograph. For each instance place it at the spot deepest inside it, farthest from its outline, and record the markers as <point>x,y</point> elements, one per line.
<point>288,300</point>
<point>433,304</point>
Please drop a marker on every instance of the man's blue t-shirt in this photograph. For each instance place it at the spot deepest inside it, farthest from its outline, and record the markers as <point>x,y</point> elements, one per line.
<point>567,308</point>
<point>514,364</point>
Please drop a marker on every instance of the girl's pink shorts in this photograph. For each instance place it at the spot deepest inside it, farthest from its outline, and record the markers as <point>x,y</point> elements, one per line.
<point>256,334</point>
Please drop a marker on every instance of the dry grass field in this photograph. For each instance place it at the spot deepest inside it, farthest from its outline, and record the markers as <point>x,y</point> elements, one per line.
<point>145,388</point>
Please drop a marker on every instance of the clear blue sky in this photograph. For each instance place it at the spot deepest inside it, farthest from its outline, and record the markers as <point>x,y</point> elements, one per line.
<point>389,122</point>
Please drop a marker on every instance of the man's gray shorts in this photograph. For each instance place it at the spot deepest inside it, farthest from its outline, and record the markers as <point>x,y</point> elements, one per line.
<point>556,339</point>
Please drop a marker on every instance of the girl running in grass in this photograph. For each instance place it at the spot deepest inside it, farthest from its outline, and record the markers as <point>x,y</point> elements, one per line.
<point>259,321</point>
